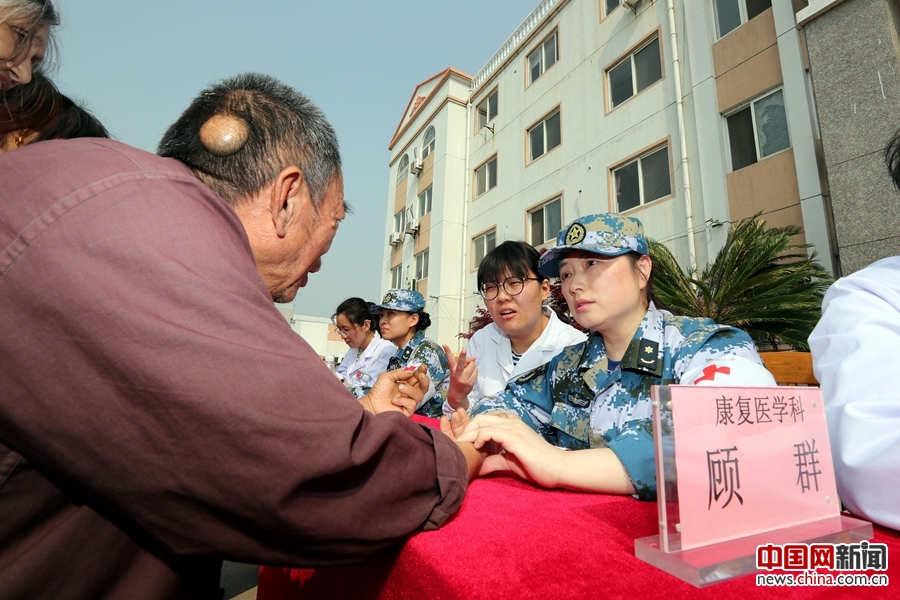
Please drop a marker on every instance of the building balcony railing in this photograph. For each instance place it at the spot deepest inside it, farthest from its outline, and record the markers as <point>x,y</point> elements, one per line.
<point>512,43</point>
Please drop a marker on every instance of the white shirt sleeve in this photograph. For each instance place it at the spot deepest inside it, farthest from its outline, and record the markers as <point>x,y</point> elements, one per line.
<point>382,357</point>
<point>856,354</point>
<point>728,371</point>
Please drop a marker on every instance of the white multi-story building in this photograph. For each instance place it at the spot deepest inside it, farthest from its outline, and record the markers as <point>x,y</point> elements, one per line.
<point>688,115</point>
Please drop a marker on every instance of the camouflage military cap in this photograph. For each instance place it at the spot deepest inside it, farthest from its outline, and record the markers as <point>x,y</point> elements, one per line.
<point>609,234</point>
<point>405,300</point>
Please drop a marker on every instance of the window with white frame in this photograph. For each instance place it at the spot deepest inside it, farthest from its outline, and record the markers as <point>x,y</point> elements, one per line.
<point>403,169</point>
<point>396,277</point>
<point>638,71</point>
<point>642,180</point>
<point>758,131</point>
<point>486,176</point>
<point>545,222</point>
<point>544,57</point>
<point>611,5</point>
<point>487,110</point>
<point>400,221</point>
<point>545,136</point>
<point>731,14</point>
<point>482,246</point>
<point>422,265</point>
<point>428,144</point>
<point>424,203</point>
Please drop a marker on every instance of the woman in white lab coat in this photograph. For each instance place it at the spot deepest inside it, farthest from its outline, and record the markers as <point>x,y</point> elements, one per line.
<point>368,355</point>
<point>524,335</point>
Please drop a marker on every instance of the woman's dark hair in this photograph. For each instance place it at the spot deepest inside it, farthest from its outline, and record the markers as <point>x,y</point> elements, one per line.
<point>73,122</point>
<point>30,107</point>
<point>892,158</point>
<point>39,108</point>
<point>357,311</point>
<point>509,259</point>
<point>424,321</point>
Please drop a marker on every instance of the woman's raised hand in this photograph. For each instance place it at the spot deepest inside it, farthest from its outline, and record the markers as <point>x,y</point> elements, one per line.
<point>463,374</point>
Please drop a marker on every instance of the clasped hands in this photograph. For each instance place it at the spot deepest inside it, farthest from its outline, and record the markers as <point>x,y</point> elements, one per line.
<point>508,444</point>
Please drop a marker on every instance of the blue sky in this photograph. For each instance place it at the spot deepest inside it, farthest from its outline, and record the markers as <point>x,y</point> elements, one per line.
<point>138,64</point>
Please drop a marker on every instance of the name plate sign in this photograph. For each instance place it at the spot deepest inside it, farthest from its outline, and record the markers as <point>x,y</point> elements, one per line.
<point>749,460</point>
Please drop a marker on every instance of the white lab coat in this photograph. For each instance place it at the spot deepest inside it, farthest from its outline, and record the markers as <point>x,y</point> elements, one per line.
<point>363,368</point>
<point>856,354</point>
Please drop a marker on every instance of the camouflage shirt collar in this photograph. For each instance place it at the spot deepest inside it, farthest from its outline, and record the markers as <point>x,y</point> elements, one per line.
<point>415,340</point>
<point>649,334</point>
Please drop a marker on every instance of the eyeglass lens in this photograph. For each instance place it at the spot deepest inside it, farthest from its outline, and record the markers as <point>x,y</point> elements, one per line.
<point>511,285</point>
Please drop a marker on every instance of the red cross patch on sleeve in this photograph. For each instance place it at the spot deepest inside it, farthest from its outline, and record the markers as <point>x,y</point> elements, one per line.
<point>709,373</point>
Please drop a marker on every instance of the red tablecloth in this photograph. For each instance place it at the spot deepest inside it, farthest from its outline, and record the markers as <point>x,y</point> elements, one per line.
<point>513,540</point>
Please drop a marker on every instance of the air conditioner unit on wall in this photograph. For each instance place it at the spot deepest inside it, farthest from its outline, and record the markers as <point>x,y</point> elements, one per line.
<point>396,239</point>
<point>412,227</point>
<point>415,167</point>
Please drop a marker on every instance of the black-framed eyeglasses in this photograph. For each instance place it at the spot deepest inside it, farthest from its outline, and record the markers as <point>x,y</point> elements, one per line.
<point>511,285</point>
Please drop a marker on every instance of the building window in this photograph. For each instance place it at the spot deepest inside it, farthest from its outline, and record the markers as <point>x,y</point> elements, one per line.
<point>428,145</point>
<point>758,131</point>
<point>487,110</point>
<point>545,222</point>
<point>400,221</point>
<point>422,265</point>
<point>731,14</point>
<point>486,177</point>
<point>643,180</point>
<point>611,5</point>
<point>635,73</point>
<point>545,136</point>
<point>425,202</point>
<point>482,246</point>
<point>543,58</point>
<point>403,169</point>
<point>397,277</point>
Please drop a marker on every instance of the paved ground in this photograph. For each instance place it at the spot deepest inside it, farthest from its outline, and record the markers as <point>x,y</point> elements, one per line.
<point>239,580</point>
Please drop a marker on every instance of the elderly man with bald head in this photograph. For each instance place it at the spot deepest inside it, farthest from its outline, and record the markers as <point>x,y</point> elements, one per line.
<point>157,413</point>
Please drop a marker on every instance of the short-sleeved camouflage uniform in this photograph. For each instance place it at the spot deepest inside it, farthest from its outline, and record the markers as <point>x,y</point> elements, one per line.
<point>421,350</point>
<point>575,402</point>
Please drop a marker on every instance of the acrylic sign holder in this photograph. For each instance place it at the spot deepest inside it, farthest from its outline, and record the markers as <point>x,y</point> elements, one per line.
<point>715,562</point>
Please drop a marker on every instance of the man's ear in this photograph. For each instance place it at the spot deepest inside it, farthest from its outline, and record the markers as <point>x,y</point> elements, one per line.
<point>285,201</point>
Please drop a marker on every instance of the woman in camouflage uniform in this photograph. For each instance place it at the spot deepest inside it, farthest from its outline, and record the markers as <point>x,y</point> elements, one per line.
<point>403,319</point>
<point>595,396</point>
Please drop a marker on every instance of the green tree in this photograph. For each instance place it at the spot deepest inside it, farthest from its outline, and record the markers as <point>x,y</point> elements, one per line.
<point>760,281</point>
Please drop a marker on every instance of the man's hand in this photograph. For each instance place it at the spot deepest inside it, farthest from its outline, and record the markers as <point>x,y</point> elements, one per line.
<point>455,425</point>
<point>399,390</point>
<point>463,374</point>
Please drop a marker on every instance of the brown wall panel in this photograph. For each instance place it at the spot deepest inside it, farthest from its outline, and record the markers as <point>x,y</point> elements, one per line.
<point>770,187</point>
<point>744,43</point>
<point>423,239</point>
<point>749,79</point>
